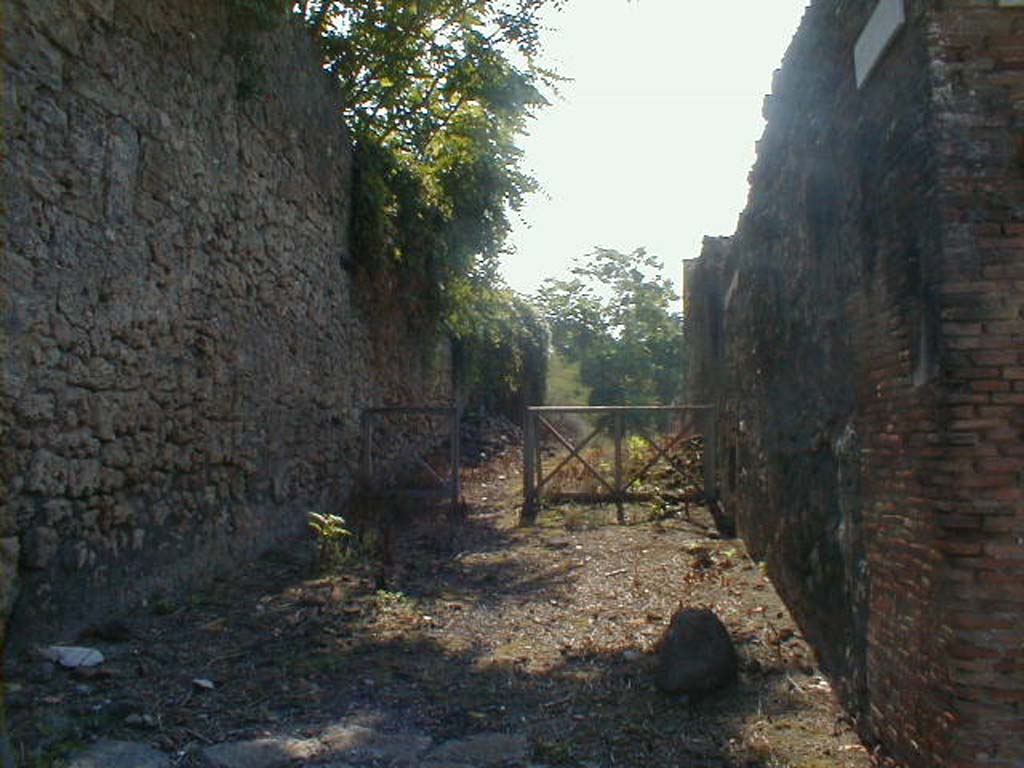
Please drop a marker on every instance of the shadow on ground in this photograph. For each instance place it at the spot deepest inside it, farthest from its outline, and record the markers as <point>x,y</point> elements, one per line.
<point>543,632</point>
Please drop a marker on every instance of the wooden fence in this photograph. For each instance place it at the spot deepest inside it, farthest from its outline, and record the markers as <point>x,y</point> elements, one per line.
<point>693,421</point>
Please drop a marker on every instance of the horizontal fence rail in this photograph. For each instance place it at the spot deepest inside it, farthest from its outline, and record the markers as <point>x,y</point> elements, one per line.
<point>693,421</point>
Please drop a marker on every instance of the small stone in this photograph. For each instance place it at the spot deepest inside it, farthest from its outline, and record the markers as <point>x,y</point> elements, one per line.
<point>484,749</point>
<point>695,655</point>
<point>72,657</point>
<point>119,754</point>
<point>260,753</point>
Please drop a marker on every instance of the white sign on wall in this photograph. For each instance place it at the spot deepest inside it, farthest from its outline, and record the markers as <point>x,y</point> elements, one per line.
<point>886,21</point>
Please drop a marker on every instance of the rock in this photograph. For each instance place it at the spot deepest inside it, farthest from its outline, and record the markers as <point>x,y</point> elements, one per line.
<point>119,754</point>
<point>695,655</point>
<point>357,742</point>
<point>140,721</point>
<point>71,656</point>
<point>260,753</point>
<point>484,749</point>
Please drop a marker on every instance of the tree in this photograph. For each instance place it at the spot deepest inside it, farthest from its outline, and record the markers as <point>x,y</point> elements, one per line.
<point>615,318</point>
<point>436,94</point>
<point>503,346</point>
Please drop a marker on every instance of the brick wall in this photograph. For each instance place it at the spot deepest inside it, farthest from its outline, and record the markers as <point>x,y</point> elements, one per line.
<point>978,102</point>
<point>187,357</point>
<point>861,334</point>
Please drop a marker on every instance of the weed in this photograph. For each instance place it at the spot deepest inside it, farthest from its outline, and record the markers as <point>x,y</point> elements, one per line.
<point>387,597</point>
<point>333,539</point>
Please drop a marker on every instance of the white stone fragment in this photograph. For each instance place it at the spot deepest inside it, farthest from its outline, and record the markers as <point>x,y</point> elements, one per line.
<point>72,657</point>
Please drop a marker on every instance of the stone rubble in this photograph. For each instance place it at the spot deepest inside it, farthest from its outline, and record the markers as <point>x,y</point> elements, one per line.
<point>343,745</point>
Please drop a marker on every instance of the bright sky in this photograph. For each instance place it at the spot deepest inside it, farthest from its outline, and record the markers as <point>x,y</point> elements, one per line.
<point>651,143</point>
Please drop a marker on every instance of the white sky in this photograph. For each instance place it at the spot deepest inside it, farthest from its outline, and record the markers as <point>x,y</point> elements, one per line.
<point>651,143</point>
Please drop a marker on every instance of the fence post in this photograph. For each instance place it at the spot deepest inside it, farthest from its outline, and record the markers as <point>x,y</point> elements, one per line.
<point>619,429</point>
<point>529,478</point>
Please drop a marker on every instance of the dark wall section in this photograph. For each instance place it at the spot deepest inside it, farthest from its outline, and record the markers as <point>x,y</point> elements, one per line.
<point>869,436</point>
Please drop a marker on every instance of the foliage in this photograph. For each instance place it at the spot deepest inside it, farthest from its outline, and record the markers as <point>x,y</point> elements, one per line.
<point>614,317</point>
<point>564,385</point>
<point>502,346</point>
<point>332,538</point>
<point>435,93</point>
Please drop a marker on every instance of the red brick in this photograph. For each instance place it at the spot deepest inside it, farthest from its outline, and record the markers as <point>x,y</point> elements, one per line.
<point>959,547</point>
<point>971,374</point>
<point>992,480</point>
<point>1005,551</point>
<point>961,329</point>
<point>990,386</point>
<point>972,620</point>
<point>1003,433</point>
<point>996,357</point>
<point>1004,328</point>
<point>974,425</point>
<point>996,466</point>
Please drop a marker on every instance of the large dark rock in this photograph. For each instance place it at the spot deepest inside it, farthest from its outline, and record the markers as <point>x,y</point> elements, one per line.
<point>695,655</point>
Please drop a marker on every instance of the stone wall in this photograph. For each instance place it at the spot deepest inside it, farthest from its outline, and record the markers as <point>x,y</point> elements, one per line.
<point>862,335</point>
<point>187,357</point>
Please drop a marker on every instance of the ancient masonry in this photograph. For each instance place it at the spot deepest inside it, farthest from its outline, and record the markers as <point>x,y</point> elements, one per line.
<point>185,355</point>
<point>862,335</point>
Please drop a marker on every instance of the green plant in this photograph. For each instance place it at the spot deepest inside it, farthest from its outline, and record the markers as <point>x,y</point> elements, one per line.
<point>637,448</point>
<point>388,597</point>
<point>333,538</point>
<point>502,346</point>
<point>615,318</point>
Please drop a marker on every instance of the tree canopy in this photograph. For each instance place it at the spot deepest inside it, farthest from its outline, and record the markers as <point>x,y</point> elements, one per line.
<point>436,94</point>
<point>615,318</point>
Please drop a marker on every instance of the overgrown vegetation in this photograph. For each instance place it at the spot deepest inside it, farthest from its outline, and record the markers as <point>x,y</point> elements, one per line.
<point>435,94</point>
<point>503,347</point>
<point>615,319</point>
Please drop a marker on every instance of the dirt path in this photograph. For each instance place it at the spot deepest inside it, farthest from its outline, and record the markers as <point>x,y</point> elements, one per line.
<point>543,634</point>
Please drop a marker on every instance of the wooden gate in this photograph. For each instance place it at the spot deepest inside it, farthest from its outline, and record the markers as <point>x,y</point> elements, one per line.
<point>440,481</point>
<point>617,421</point>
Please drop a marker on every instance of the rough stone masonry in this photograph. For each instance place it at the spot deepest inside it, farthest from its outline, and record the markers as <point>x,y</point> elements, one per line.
<point>186,357</point>
<point>862,335</point>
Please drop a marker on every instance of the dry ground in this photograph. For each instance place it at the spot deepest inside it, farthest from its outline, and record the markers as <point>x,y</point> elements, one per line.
<point>543,631</point>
